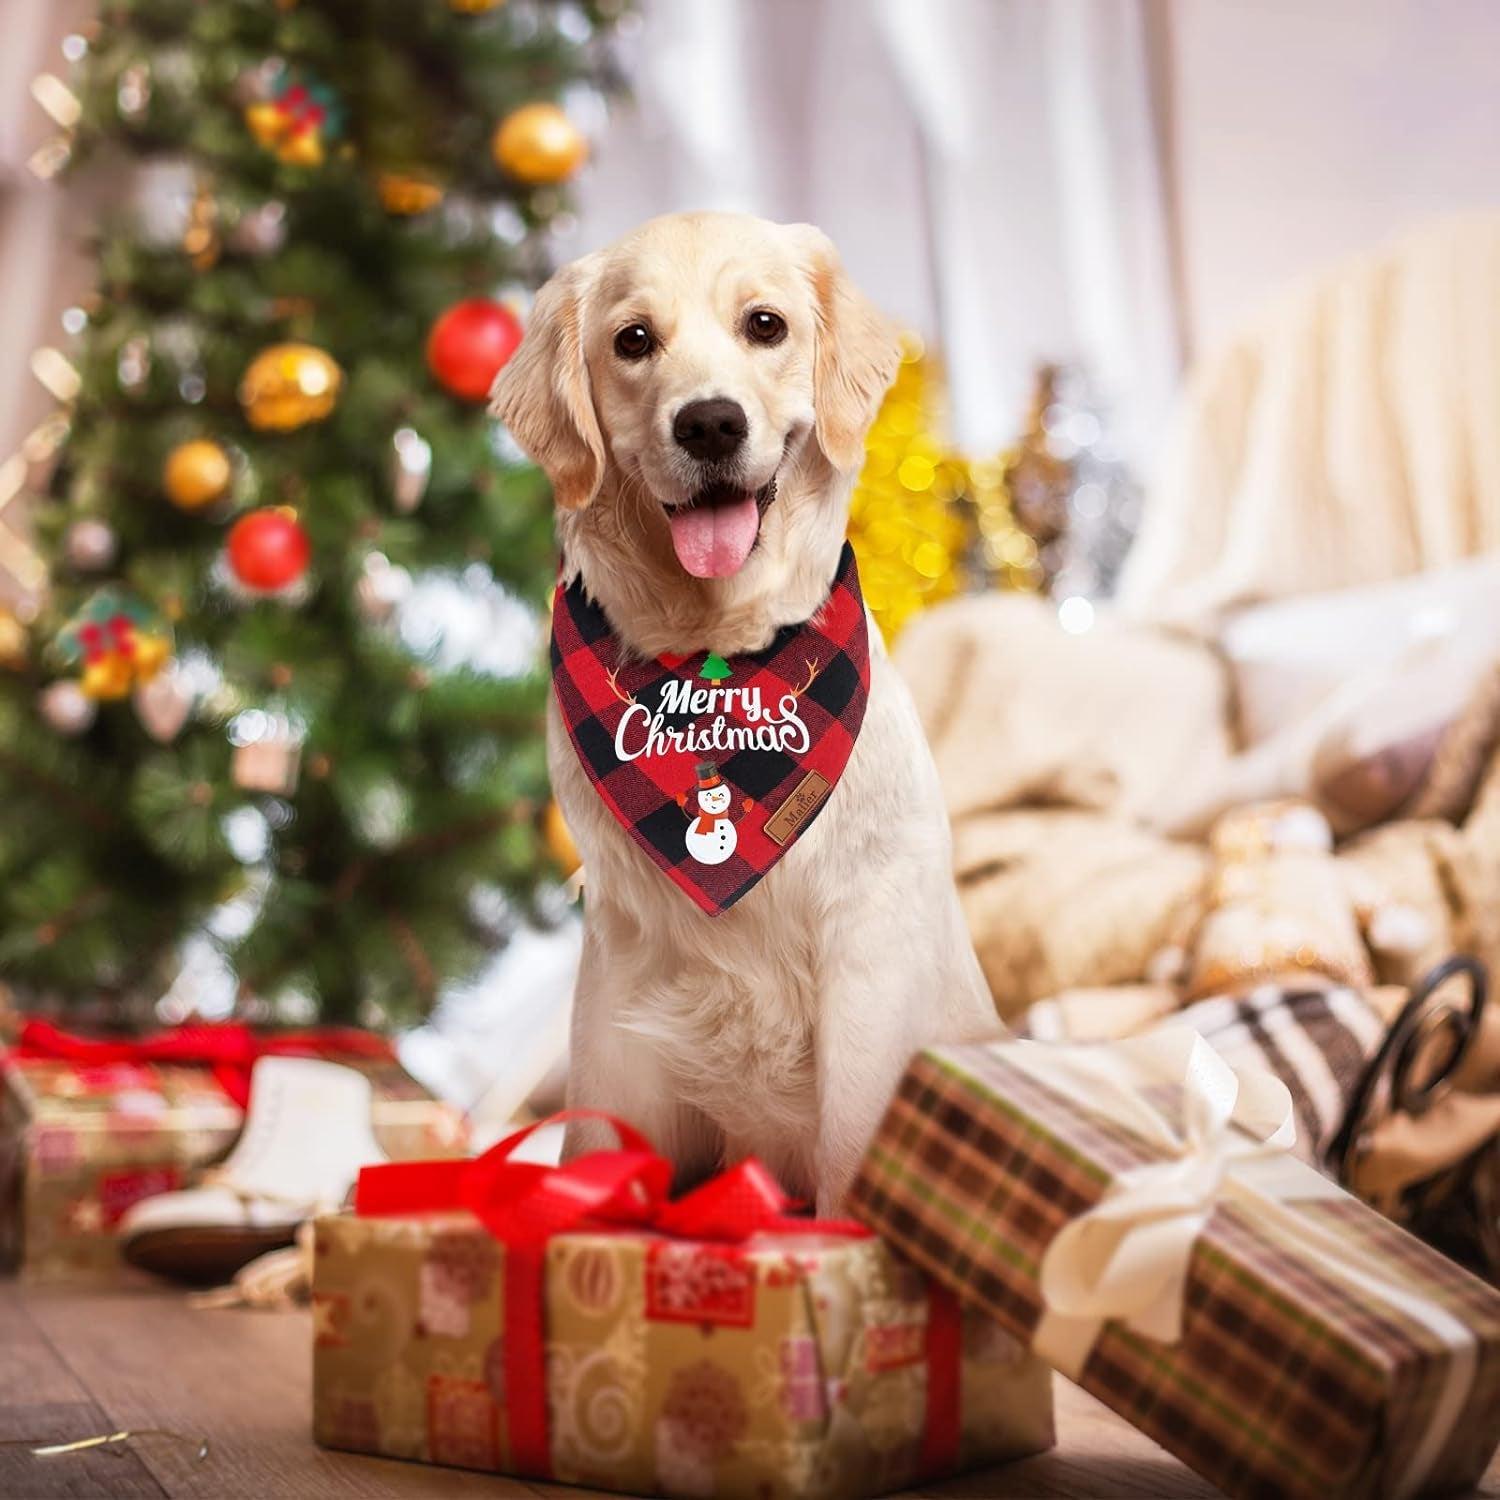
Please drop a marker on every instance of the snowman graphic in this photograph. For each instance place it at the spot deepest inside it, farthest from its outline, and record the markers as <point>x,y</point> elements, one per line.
<point>711,836</point>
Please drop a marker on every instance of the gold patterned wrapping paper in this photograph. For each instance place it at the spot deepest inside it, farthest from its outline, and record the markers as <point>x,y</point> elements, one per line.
<point>790,1366</point>
<point>82,1144</point>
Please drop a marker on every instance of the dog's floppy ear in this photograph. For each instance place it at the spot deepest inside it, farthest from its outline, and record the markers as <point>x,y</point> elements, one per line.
<point>856,355</point>
<point>543,396</point>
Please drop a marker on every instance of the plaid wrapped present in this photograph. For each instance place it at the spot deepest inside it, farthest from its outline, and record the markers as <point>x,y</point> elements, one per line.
<point>679,1352</point>
<point>1133,1214</point>
<point>88,1128</point>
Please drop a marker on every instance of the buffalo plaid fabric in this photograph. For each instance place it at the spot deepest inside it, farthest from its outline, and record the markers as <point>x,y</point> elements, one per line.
<point>1285,1383</point>
<point>814,675</point>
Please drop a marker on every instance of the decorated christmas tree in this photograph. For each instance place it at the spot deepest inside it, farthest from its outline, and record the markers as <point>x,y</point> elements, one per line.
<point>281,696</point>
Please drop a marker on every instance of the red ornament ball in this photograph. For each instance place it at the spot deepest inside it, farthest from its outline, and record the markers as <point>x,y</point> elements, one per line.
<point>468,345</point>
<point>268,550</point>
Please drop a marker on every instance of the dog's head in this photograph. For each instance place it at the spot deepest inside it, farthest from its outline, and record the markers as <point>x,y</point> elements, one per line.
<point>694,375</point>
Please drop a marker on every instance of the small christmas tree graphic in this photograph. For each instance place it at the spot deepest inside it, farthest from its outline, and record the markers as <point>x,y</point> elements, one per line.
<point>715,668</point>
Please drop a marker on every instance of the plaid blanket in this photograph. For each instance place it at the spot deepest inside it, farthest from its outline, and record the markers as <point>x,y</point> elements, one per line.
<point>1317,1040</point>
<point>715,766</point>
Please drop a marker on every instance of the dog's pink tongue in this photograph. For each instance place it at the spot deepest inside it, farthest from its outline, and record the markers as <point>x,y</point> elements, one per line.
<point>713,541</point>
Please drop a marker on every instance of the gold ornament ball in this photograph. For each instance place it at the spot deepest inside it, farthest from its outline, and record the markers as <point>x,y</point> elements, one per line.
<point>538,144</point>
<point>474,7</point>
<point>289,385</point>
<point>196,474</point>
<point>559,840</point>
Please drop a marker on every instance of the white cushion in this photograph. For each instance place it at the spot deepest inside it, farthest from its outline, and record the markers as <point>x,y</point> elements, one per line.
<point>1433,631</point>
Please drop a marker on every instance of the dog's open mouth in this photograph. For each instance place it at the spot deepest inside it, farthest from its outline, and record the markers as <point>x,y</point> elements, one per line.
<point>716,530</point>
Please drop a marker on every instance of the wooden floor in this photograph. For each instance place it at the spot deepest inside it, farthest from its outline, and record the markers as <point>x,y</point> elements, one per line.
<point>77,1365</point>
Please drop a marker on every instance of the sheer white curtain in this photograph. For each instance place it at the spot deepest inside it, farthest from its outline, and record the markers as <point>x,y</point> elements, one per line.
<point>990,169</point>
<point>41,262</point>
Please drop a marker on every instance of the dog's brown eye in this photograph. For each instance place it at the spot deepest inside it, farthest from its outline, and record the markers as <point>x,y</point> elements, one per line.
<point>634,341</point>
<point>765,327</point>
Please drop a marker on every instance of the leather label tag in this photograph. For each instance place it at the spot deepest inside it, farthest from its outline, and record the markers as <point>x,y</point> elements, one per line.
<point>798,807</point>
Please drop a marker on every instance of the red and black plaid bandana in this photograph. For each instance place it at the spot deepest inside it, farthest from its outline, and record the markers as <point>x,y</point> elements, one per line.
<point>715,766</point>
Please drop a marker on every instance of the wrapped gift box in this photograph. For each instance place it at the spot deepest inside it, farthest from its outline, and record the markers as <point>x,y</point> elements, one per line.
<point>784,1365</point>
<point>1180,1264</point>
<point>83,1139</point>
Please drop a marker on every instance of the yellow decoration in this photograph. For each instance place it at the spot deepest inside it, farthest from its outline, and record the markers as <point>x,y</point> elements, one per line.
<point>108,678</point>
<point>922,517</point>
<point>538,144</point>
<point>295,123</point>
<point>475,7</point>
<point>151,654</point>
<point>304,149</point>
<point>559,840</point>
<point>119,642</point>
<point>266,123</point>
<point>1009,551</point>
<point>288,386</point>
<point>14,642</point>
<point>274,129</point>
<point>196,474</point>
<point>905,522</point>
<point>127,662</point>
<point>407,193</point>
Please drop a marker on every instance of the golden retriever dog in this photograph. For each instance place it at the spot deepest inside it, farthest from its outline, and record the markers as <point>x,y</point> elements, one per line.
<point>698,394</point>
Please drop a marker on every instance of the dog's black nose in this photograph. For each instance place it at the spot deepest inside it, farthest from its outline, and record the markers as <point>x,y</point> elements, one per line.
<point>711,429</point>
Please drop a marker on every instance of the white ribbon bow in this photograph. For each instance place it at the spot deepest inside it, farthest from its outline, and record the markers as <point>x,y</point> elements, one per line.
<point>1127,1258</point>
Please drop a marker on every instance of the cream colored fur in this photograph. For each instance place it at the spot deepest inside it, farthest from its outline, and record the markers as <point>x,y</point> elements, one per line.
<point>780,1028</point>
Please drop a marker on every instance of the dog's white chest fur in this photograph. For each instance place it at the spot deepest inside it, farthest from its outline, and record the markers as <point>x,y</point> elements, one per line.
<point>733,1035</point>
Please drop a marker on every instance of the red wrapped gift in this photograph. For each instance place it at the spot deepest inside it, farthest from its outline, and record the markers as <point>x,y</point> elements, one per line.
<point>90,1126</point>
<point>574,1324</point>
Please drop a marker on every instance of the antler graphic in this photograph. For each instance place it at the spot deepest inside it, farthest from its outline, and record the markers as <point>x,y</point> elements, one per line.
<point>614,687</point>
<point>813,672</point>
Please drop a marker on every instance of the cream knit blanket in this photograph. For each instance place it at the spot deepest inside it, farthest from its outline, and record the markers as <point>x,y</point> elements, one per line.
<point>1350,435</point>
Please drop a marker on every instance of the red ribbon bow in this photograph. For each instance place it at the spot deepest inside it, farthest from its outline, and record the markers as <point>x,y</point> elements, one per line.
<point>523,1204</point>
<point>229,1049</point>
